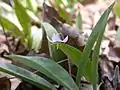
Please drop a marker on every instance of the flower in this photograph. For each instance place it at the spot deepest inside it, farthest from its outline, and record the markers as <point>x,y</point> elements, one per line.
<point>57,38</point>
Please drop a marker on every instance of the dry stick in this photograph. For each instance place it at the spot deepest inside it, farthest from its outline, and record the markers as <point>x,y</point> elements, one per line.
<point>7,42</point>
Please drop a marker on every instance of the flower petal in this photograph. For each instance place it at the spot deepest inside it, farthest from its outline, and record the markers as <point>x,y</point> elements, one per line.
<point>65,39</point>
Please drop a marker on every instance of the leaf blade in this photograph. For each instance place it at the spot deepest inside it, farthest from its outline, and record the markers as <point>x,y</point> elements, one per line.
<point>24,20</point>
<point>26,75</point>
<point>100,26</point>
<point>49,68</point>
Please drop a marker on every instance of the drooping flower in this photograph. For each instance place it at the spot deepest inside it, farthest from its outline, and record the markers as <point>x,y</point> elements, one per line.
<point>57,38</point>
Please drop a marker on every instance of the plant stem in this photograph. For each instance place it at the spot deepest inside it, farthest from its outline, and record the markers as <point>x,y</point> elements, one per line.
<point>94,87</point>
<point>78,79</point>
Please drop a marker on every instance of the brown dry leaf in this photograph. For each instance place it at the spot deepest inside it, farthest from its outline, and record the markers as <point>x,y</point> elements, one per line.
<point>2,38</point>
<point>5,83</point>
<point>110,35</point>
<point>50,14</point>
<point>104,49</point>
<point>109,52</point>
<point>91,13</point>
<point>4,48</point>
<point>4,60</point>
<point>116,78</point>
<point>15,83</point>
<point>106,73</point>
<point>113,56</point>
<point>116,46</point>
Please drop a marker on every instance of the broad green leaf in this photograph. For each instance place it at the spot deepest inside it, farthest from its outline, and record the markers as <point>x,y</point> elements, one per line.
<point>11,27</point>
<point>24,20</point>
<point>79,21</point>
<point>118,34</point>
<point>26,75</point>
<point>37,35</point>
<point>54,52</point>
<point>74,55</point>
<point>49,29</point>
<point>99,27</point>
<point>49,68</point>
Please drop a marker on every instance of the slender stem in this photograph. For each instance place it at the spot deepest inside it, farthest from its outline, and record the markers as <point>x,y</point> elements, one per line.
<point>78,79</point>
<point>69,67</point>
<point>95,87</point>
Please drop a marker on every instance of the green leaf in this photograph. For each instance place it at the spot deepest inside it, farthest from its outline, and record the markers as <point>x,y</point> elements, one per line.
<point>64,15</point>
<point>58,2</point>
<point>22,17</point>
<point>24,20</point>
<point>37,35</point>
<point>95,54</point>
<point>11,27</point>
<point>30,4</point>
<point>72,53</point>
<point>49,29</point>
<point>99,27</point>
<point>55,53</point>
<point>5,6</point>
<point>95,57</point>
<point>117,8</point>
<point>79,21</point>
<point>48,67</point>
<point>87,72</point>
<point>33,16</point>
<point>26,75</point>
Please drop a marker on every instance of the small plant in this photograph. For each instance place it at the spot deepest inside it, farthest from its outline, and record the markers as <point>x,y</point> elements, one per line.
<point>87,67</point>
<point>20,26</point>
